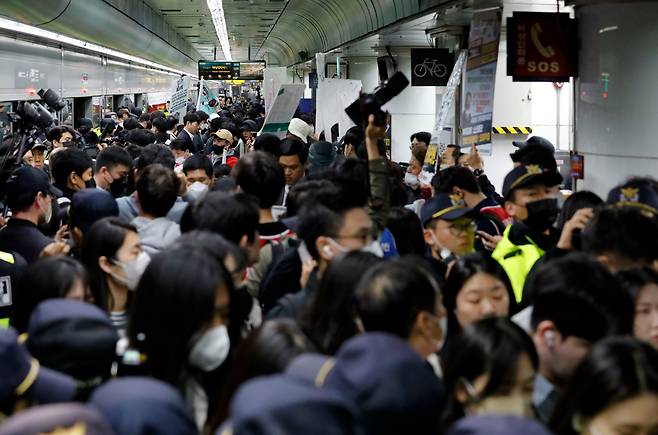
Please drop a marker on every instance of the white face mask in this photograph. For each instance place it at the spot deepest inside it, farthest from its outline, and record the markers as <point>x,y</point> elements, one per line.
<point>211,349</point>
<point>197,189</point>
<point>49,212</point>
<point>411,180</point>
<point>516,404</point>
<point>132,270</point>
<point>443,325</point>
<point>180,160</point>
<point>374,248</point>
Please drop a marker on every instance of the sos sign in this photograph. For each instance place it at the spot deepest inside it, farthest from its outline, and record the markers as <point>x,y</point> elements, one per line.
<point>541,47</point>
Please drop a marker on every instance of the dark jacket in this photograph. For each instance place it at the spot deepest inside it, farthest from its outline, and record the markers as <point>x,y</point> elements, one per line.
<point>24,238</point>
<point>292,305</point>
<point>195,145</point>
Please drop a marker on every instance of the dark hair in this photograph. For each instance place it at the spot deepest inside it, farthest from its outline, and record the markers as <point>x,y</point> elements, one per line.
<point>294,147</point>
<point>231,215</point>
<point>581,297</point>
<point>215,124</point>
<point>103,239</point>
<point>575,202</point>
<point>421,136</point>
<point>156,153</point>
<point>304,192</point>
<point>66,161</point>
<point>455,176</point>
<point>179,145</point>
<point>174,301</point>
<point>622,232</point>
<point>268,143</point>
<point>203,116</point>
<point>616,369</point>
<point>140,136</point>
<point>489,346</point>
<point>161,124</point>
<point>191,117</point>
<point>112,156</point>
<point>157,188</point>
<point>464,269</point>
<point>259,174</point>
<point>636,279</point>
<point>407,230</point>
<point>123,112</point>
<point>267,350</point>
<point>329,319</point>
<point>354,136</point>
<point>215,244</point>
<point>56,133</point>
<point>131,124</point>
<point>221,170</point>
<point>418,152</point>
<point>47,278</point>
<point>198,161</point>
<point>391,294</point>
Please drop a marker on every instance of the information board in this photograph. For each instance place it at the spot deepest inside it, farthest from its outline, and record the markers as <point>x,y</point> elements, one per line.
<point>219,70</point>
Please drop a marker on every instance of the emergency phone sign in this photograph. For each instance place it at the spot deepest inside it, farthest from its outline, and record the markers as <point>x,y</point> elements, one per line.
<point>541,47</point>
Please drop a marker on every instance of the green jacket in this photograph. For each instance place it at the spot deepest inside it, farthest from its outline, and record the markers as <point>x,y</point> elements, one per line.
<point>517,260</point>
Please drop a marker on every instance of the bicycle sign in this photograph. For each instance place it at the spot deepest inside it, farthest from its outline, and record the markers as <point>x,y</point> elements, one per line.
<point>431,66</point>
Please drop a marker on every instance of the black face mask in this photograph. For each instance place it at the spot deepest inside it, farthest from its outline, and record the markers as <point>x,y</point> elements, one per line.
<point>217,150</point>
<point>118,187</point>
<point>541,214</point>
<point>91,183</point>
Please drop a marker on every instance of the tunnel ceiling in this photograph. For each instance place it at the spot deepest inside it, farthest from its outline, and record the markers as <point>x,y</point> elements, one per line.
<point>281,30</point>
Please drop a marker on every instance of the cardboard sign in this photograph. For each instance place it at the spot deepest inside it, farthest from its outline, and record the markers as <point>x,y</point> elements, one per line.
<point>282,110</point>
<point>541,47</point>
<point>431,66</point>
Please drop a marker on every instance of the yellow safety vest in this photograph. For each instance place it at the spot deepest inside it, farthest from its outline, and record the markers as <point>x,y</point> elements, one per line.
<point>517,260</point>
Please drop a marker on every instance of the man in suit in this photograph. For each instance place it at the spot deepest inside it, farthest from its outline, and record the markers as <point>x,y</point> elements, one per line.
<point>190,133</point>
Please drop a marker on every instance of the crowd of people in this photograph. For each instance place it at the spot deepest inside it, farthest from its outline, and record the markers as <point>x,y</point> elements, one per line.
<point>197,278</point>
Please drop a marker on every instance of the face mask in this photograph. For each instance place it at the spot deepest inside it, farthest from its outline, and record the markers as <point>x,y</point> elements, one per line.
<point>197,189</point>
<point>542,214</point>
<point>91,183</point>
<point>211,349</point>
<point>180,161</point>
<point>49,212</point>
<point>443,325</point>
<point>217,150</point>
<point>118,187</point>
<point>411,180</point>
<point>374,248</point>
<point>132,270</point>
<point>516,405</point>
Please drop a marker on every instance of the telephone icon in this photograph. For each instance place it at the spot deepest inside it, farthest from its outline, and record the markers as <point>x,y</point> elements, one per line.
<point>545,51</point>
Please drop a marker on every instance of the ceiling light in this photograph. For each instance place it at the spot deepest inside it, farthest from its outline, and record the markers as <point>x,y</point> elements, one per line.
<point>41,33</point>
<point>217,12</point>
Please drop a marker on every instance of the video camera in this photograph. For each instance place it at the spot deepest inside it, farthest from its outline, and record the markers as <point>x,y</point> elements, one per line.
<point>371,104</point>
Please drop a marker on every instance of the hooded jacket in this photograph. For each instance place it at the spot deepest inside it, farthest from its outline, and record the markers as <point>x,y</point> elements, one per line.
<point>156,234</point>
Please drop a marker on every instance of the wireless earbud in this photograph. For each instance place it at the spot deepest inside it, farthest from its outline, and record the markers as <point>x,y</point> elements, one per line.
<point>550,338</point>
<point>326,250</point>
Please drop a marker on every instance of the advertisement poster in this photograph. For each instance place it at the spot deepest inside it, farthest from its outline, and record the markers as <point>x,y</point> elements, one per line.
<point>480,80</point>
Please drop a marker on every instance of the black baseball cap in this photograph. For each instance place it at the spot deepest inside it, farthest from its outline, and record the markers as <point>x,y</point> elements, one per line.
<point>631,195</point>
<point>91,205</point>
<point>27,180</point>
<point>535,140</point>
<point>528,175</point>
<point>447,207</point>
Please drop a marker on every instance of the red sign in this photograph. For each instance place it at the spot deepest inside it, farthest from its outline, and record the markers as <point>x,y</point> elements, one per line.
<point>541,47</point>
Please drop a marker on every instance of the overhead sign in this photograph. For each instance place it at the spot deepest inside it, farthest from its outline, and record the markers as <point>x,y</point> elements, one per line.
<point>480,80</point>
<point>540,47</point>
<point>216,70</point>
<point>252,70</point>
<point>431,66</point>
<point>223,70</point>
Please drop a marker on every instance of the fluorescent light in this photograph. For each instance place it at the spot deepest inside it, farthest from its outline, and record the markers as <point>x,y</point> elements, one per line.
<point>217,13</point>
<point>41,33</point>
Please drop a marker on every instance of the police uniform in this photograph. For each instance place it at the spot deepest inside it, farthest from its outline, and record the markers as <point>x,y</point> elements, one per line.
<point>12,266</point>
<point>521,247</point>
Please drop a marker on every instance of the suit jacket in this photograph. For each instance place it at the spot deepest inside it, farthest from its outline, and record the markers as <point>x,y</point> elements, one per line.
<point>196,144</point>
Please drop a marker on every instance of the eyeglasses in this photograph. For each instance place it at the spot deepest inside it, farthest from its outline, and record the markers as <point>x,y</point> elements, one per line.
<point>365,238</point>
<point>458,227</point>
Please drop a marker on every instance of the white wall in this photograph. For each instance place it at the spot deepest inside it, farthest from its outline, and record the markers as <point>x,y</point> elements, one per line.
<point>411,111</point>
<point>618,135</point>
